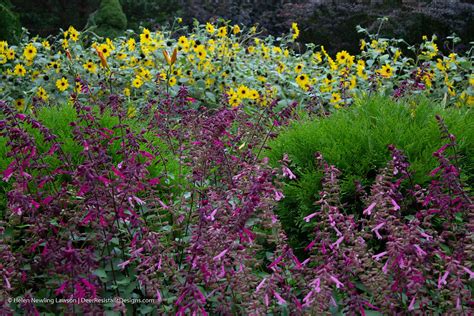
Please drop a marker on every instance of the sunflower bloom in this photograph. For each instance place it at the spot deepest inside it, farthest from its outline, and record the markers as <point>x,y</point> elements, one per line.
<point>386,71</point>
<point>29,52</point>
<point>19,70</point>
<point>62,84</point>
<point>303,81</point>
<point>295,30</point>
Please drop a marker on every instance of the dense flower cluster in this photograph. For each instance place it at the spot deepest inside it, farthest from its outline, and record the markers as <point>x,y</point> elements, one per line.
<point>93,217</point>
<point>216,59</point>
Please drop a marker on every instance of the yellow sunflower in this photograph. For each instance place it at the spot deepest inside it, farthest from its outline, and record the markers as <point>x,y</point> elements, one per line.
<point>19,70</point>
<point>386,71</point>
<point>302,80</point>
<point>29,52</point>
<point>62,84</point>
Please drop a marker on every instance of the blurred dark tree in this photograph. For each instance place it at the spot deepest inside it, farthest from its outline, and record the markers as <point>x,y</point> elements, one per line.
<point>334,25</point>
<point>150,13</point>
<point>109,20</point>
<point>10,27</point>
<point>328,22</point>
<point>48,16</point>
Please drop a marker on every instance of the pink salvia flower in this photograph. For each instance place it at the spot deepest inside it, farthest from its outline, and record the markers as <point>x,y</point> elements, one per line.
<point>163,205</point>
<point>222,273</point>
<point>259,286</point>
<point>412,304</point>
<point>21,117</point>
<point>296,261</point>
<point>7,282</point>
<point>104,180</point>
<point>287,173</point>
<point>307,298</point>
<point>317,285</point>
<point>338,232</point>
<point>471,274</point>
<point>138,200</point>
<point>220,255</point>
<point>368,210</point>
<point>297,303</point>
<point>61,288</point>
<point>158,296</point>
<point>425,235</point>
<point>47,200</point>
<point>83,190</point>
<point>385,267</point>
<point>274,219</point>
<point>378,256</point>
<point>277,261</point>
<point>90,286</point>
<point>154,181</point>
<point>278,195</point>
<point>376,230</point>
<point>336,244</point>
<point>442,280</point>
<point>419,251</point>
<point>87,219</point>
<point>310,216</point>
<point>123,264</point>
<point>396,207</point>
<point>146,154</point>
<point>211,216</point>
<point>310,245</point>
<point>280,299</point>
<point>118,173</point>
<point>339,284</point>
<point>35,204</point>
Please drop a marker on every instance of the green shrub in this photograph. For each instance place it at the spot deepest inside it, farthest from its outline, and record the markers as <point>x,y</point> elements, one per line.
<point>355,140</point>
<point>110,21</point>
<point>10,27</point>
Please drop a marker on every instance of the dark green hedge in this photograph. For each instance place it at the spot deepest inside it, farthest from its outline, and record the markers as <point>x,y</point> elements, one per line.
<point>10,27</point>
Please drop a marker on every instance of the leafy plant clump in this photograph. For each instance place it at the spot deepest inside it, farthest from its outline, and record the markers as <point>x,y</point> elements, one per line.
<point>218,58</point>
<point>88,217</point>
<point>355,141</point>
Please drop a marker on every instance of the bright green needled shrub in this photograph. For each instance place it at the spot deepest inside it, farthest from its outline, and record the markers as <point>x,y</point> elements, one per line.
<point>355,140</point>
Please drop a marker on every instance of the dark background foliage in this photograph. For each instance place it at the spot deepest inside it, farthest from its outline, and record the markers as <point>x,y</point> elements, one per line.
<point>330,23</point>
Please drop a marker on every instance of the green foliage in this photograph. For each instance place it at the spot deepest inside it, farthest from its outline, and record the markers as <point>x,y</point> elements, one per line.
<point>110,20</point>
<point>355,141</point>
<point>59,118</point>
<point>10,27</point>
